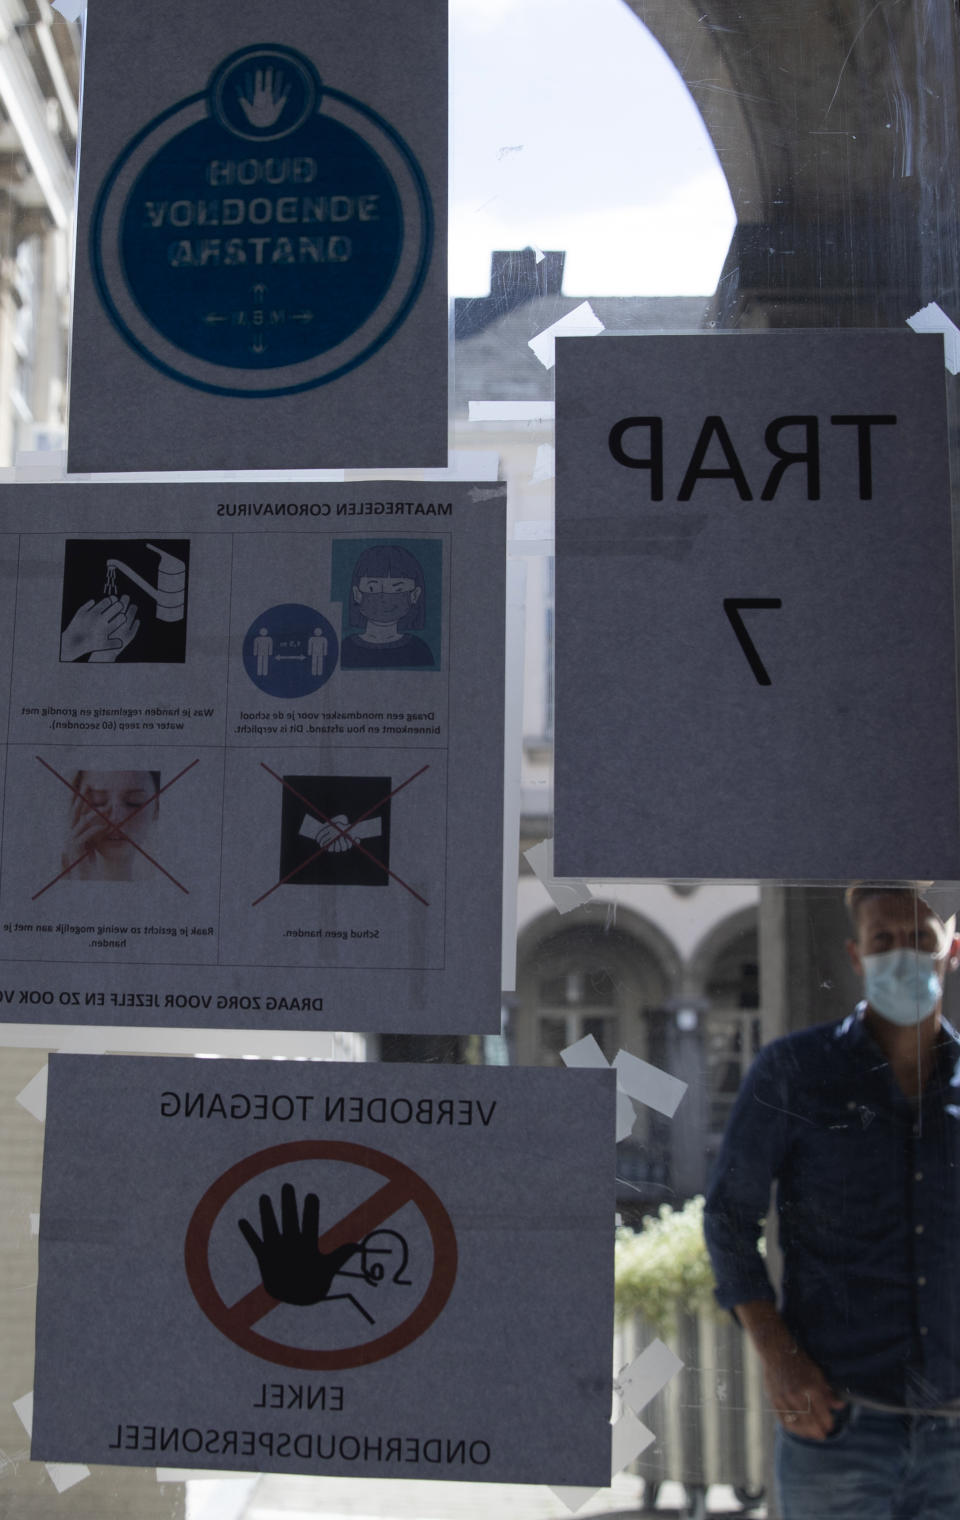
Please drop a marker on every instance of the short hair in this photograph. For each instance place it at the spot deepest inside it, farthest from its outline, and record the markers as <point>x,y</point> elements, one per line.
<point>397,563</point>
<point>907,891</point>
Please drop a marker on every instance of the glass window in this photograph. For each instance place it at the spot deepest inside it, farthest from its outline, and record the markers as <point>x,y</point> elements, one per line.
<point>678,167</point>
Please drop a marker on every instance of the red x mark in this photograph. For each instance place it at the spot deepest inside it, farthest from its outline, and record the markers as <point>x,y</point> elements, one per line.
<point>341,834</point>
<point>114,828</point>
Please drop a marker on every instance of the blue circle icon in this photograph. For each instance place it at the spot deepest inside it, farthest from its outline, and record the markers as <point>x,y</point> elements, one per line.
<point>263,236</point>
<point>262,93</point>
<point>290,650</point>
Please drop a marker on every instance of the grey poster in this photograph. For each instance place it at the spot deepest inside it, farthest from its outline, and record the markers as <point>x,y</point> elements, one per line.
<point>261,242</point>
<point>754,611</point>
<point>327,1268</point>
<point>252,759</point>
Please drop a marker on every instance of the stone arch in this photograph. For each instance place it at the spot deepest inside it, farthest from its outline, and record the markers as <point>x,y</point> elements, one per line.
<point>601,965</point>
<point>718,940</point>
<point>838,129</point>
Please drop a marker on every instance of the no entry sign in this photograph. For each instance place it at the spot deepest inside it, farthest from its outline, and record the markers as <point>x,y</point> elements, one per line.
<point>327,1268</point>
<point>360,1236</point>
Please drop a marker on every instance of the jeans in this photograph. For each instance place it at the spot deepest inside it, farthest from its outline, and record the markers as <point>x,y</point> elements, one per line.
<point>873,1466</point>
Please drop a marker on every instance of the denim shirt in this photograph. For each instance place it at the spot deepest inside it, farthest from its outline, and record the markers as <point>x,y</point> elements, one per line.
<point>868,1199</point>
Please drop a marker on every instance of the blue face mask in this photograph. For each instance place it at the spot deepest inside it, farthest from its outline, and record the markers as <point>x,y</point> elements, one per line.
<point>902,985</point>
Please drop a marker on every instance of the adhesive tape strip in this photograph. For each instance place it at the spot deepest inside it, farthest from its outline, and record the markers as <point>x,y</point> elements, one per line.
<point>643,1379</point>
<point>587,1052</point>
<point>933,319</point>
<point>648,1084</point>
<point>70,10</point>
<point>545,465</point>
<point>510,411</point>
<point>565,895</point>
<point>630,1438</point>
<point>39,466</point>
<point>626,1116</point>
<point>582,322</point>
<point>33,1097</point>
<point>63,1475</point>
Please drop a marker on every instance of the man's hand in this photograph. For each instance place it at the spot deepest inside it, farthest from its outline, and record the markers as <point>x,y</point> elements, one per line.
<point>802,1398</point>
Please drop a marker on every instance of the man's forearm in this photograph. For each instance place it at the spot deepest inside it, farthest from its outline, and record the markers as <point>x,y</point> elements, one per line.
<point>798,1389</point>
<point>766,1327</point>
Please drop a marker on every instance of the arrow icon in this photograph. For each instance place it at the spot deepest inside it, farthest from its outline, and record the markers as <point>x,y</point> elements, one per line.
<point>259,291</point>
<point>258,345</point>
<point>213,316</point>
<point>302,316</point>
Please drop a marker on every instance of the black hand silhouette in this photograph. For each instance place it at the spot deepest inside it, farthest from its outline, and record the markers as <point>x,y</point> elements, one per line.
<point>294,1270</point>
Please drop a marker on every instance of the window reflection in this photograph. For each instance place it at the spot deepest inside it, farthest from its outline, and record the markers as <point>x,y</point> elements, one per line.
<point>839,139</point>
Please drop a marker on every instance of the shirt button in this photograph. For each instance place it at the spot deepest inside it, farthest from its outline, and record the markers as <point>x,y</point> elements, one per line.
<point>918,1229</point>
<point>918,1176</point>
<point>921,1282</point>
<point>924,1330</point>
<point>852,1103</point>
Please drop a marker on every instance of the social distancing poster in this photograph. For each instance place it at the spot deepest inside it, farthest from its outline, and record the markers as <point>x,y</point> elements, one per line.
<point>261,248</point>
<point>754,608</point>
<point>253,762</point>
<point>327,1268</point>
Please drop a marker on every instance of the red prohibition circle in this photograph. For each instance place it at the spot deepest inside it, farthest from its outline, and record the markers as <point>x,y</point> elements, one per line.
<point>402,1186</point>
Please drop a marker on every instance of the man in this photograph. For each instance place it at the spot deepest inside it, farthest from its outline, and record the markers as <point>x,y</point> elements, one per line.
<point>859,1125</point>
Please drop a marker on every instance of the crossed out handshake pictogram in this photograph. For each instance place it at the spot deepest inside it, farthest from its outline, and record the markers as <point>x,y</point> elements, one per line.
<point>337,833</point>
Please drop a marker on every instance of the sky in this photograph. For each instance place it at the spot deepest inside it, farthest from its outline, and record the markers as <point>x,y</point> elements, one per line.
<point>571,129</point>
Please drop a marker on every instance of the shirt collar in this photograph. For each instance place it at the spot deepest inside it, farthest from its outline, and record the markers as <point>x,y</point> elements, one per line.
<point>855,1036</point>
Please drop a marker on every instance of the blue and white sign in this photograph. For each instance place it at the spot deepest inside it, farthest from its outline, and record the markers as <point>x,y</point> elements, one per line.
<point>267,231</point>
<point>290,650</point>
<point>266,227</point>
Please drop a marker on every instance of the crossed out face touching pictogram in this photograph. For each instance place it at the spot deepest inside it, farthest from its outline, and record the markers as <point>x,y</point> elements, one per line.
<point>112,817</point>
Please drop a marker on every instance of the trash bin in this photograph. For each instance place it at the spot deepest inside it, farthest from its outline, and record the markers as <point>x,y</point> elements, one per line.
<point>711,1421</point>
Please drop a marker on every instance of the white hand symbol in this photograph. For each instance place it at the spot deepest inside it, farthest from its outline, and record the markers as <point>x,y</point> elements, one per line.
<point>328,835</point>
<point>263,97</point>
<point>105,628</point>
<point>124,632</point>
